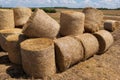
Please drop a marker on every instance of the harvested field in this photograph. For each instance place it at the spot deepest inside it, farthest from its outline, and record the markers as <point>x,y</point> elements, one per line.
<point>100,67</point>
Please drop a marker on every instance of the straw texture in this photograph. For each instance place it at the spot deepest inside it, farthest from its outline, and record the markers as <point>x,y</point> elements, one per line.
<point>6,19</point>
<point>13,47</point>
<point>105,40</point>
<point>38,57</point>
<point>90,44</point>
<point>110,25</point>
<point>21,15</point>
<point>72,23</point>
<point>69,51</point>
<point>93,19</point>
<point>41,25</point>
<point>6,32</point>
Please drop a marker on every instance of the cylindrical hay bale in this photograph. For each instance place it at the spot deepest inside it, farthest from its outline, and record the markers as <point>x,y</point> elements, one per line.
<point>41,25</point>
<point>110,25</point>
<point>69,51</point>
<point>72,23</point>
<point>90,44</point>
<point>105,40</point>
<point>6,32</point>
<point>13,47</point>
<point>6,19</point>
<point>93,19</point>
<point>38,57</point>
<point>21,15</point>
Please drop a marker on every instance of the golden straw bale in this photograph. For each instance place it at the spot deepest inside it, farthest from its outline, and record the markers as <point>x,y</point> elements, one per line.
<point>90,44</point>
<point>6,19</point>
<point>69,51</point>
<point>72,23</point>
<point>105,40</point>
<point>38,57</point>
<point>93,19</point>
<point>41,25</point>
<point>13,47</point>
<point>6,32</point>
<point>21,15</point>
<point>111,25</point>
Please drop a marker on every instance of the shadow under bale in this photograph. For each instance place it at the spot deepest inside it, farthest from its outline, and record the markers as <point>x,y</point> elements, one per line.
<point>16,71</point>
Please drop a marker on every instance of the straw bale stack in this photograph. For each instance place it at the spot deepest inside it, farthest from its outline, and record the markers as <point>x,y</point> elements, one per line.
<point>13,47</point>
<point>6,19</point>
<point>111,25</point>
<point>93,19</point>
<point>72,23</point>
<point>21,15</point>
<point>41,25</point>
<point>6,32</point>
<point>69,51</point>
<point>105,40</point>
<point>90,44</point>
<point>38,57</point>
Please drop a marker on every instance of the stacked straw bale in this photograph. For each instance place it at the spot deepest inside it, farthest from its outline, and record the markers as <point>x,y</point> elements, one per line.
<point>6,19</point>
<point>72,23</point>
<point>69,51</point>
<point>41,25</point>
<point>110,25</point>
<point>93,19</point>
<point>13,47</point>
<point>21,15</point>
<point>105,40</point>
<point>6,32</point>
<point>38,57</point>
<point>90,44</point>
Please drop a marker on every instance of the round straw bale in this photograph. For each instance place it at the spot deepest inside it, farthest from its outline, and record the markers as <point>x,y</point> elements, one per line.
<point>6,19</point>
<point>41,25</point>
<point>93,19</point>
<point>13,47</point>
<point>21,15</point>
<point>6,32</point>
<point>38,57</point>
<point>69,51</point>
<point>90,44</point>
<point>105,40</point>
<point>72,23</point>
<point>110,25</point>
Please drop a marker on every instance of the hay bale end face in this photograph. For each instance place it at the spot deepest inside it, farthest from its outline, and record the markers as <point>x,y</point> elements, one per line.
<point>13,47</point>
<point>38,57</point>
<point>41,25</point>
<point>110,25</point>
<point>6,19</point>
<point>21,15</point>
<point>6,32</point>
<point>93,20</point>
<point>69,51</point>
<point>105,40</point>
<point>90,44</point>
<point>72,23</point>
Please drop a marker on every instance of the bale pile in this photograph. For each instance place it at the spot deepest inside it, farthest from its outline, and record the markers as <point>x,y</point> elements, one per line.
<point>105,40</point>
<point>6,32</point>
<point>43,54</point>
<point>72,23</point>
<point>21,15</point>
<point>90,44</point>
<point>41,25</point>
<point>6,19</point>
<point>69,51</point>
<point>93,19</point>
<point>13,47</point>
<point>111,25</point>
<point>38,57</point>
